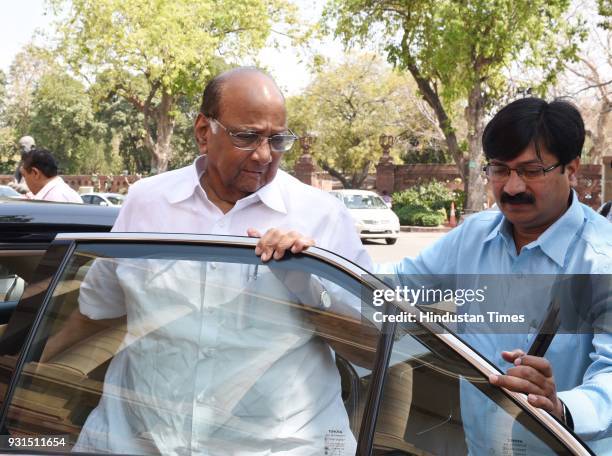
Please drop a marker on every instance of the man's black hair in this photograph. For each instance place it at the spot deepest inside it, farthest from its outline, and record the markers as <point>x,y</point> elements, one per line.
<point>41,159</point>
<point>211,98</point>
<point>557,126</point>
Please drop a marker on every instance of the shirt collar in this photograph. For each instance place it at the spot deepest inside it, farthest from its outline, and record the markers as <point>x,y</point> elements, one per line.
<point>555,241</point>
<point>270,194</point>
<point>48,187</point>
<point>186,185</point>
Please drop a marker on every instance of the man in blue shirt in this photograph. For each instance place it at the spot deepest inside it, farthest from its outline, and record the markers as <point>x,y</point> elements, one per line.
<point>533,152</point>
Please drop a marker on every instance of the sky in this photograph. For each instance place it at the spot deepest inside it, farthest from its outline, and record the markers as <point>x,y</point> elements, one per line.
<point>20,19</point>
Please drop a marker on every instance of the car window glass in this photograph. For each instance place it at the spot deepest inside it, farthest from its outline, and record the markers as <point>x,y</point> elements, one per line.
<point>86,199</point>
<point>181,349</point>
<point>364,202</point>
<point>434,402</point>
<point>96,200</point>
<point>115,200</point>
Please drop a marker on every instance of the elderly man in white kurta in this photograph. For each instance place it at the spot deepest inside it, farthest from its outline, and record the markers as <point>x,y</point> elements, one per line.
<point>206,372</point>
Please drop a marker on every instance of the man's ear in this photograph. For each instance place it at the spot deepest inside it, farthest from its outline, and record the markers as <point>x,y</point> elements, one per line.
<point>201,128</point>
<point>572,171</point>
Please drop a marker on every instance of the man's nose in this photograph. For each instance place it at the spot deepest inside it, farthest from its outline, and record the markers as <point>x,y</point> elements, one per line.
<point>263,153</point>
<point>515,184</point>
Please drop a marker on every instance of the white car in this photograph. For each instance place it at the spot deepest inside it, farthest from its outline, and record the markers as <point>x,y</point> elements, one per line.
<point>373,218</point>
<point>103,199</point>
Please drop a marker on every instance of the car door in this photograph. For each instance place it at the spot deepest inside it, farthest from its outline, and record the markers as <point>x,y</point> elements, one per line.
<point>182,344</point>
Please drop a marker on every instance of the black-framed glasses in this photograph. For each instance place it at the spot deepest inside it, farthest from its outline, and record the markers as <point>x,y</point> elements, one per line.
<point>249,140</point>
<point>497,173</point>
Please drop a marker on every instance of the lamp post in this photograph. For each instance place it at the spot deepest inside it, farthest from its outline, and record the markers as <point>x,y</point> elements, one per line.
<point>386,142</point>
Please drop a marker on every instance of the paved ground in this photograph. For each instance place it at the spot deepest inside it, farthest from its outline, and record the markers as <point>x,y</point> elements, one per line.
<point>408,244</point>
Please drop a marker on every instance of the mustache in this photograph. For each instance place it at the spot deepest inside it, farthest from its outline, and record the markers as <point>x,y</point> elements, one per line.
<point>519,198</point>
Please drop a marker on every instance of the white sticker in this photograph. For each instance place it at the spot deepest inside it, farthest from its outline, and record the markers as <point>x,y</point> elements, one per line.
<point>334,443</point>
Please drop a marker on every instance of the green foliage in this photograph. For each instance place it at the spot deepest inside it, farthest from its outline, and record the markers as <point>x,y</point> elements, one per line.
<point>460,43</point>
<point>605,10</point>
<point>9,155</point>
<point>348,106</point>
<point>461,51</point>
<point>420,216</point>
<point>426,204</point>
<point>151,53</point>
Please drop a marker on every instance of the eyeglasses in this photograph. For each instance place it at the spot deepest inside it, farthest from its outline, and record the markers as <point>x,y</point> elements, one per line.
<point>500,173</point>
<point>248,140</point>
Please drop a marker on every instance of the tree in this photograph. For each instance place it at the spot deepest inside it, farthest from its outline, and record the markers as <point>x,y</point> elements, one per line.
<point>348,106</point>
<point>588,80</point>
<point>459,51</point>
<point>152,52</point>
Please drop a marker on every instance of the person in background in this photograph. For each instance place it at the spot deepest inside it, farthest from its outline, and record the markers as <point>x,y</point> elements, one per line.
<point>39,169</point>
<point>26,144</point>
<point>387,198</point>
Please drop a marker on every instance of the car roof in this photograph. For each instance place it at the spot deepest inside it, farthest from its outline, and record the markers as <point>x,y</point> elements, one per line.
<point>42,220</point>
<point>354,192</point>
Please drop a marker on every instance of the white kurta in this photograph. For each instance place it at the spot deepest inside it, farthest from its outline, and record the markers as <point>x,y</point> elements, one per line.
<point>216,359</point>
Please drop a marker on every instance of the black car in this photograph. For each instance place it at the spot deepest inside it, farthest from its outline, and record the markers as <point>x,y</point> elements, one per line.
<point>198,348</point>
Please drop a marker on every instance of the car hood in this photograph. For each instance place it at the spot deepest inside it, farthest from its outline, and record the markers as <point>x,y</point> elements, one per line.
<point>373,214</point>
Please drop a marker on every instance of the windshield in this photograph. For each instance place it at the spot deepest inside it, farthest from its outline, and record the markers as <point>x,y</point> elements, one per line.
<point>363,202</point>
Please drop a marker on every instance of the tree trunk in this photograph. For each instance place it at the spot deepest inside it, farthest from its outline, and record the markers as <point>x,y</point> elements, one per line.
<point>162,151</point>
<point>433,99</point>
<point>474,113</point>
<point>600,138</point>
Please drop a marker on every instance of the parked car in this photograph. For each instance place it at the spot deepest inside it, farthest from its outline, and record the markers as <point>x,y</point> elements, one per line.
<point>399,382</point>
<point>8,192</point>
<point>103,199</point>
<point>373,217</point>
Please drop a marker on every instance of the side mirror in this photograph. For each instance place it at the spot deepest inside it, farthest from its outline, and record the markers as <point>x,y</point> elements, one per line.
<point>103,203</point>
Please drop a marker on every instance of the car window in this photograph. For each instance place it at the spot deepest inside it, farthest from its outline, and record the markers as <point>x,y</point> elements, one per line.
<point>115,200</point>
<point>86,199</point>
<point>364,202</point>
<point>149,348</point>
<point>96,200</point>
<point>434,402</point>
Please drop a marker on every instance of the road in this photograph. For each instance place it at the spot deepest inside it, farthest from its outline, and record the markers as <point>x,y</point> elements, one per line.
<point>408,244</point>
